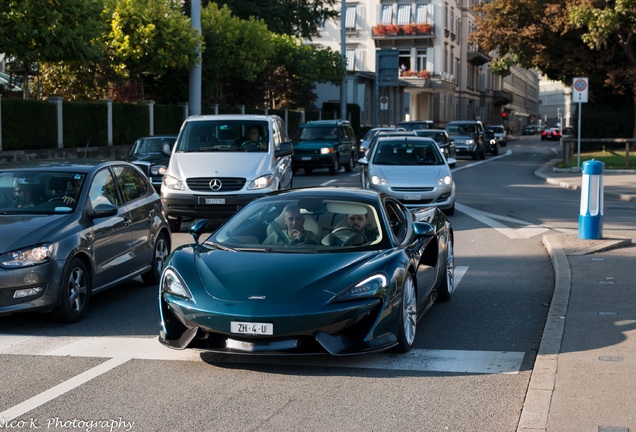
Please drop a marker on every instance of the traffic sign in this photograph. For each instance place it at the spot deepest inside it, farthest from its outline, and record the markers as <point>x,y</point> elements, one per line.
<point>384,103</point>
<point>579,90</point>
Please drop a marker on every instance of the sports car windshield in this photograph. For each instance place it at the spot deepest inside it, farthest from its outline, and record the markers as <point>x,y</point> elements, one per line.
<point>224,136</point>
<point>39,192</point>
<point>301,226</point>
<point>407,152</point>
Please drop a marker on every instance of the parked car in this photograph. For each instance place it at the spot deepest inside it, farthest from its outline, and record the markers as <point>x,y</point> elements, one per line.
<point>216,168</point>
<point>529,130</point>
<point>416,124</point>
<point>552,134</point>
<point>71,229</point>
<point>151,155</point>
<point>364,144</point>
<point>412,170</point>
<point>444,142</point>
<point>569,130</point>
<point>501,135</point>
<point>346,295</point>
<point>330,144</point>
<point>469,138</point>
<point>491,142</point>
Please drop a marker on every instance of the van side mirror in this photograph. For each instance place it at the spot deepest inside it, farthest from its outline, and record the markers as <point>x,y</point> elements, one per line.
<point>285,149</point>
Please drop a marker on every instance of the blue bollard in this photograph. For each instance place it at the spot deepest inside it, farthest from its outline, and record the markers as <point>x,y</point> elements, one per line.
<point>591,212</point>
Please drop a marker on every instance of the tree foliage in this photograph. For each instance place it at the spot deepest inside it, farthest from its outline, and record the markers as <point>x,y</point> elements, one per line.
<point>300,18</point>
<point>564,39</point>
<point>58,30</point>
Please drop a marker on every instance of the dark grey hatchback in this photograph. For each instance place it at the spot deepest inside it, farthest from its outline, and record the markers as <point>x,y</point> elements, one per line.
<point>69,229</point>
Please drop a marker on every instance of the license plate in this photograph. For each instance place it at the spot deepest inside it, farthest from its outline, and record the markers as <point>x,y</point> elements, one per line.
<point>215,200</point>
<point>252,328</point>
<point>306,158</point>
<point>413,197</point>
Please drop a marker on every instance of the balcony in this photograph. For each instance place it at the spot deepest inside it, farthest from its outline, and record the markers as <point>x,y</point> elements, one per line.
<point>501,97</point>
<point>477,57</point>
<point>396,31</point>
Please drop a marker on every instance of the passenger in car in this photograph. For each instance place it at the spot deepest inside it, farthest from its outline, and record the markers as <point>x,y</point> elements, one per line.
<point>295,233</point>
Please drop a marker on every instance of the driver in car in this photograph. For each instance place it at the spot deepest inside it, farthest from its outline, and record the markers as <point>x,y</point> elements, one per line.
<point>360,223</point>
<point>295,233</point>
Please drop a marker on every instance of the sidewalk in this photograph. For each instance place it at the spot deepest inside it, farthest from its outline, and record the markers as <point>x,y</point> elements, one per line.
<point>584,378</point>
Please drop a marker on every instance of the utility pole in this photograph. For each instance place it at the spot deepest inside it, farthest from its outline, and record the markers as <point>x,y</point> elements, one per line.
<point>195,73</point>
<point>343,53</point>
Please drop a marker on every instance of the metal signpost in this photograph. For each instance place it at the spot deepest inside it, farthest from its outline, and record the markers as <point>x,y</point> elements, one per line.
<point>386,67</point>
<point>580,88</point>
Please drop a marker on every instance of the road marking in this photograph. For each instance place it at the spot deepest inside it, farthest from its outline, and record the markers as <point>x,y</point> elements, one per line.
<point>526,231</point>
<point>122,349</point>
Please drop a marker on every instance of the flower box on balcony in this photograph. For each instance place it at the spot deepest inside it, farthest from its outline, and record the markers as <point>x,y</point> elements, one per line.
<point>379,30</point>
<point>392,29</point>
<point>424,28</point>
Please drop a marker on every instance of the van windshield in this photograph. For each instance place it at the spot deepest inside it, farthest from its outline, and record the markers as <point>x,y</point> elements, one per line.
<point>224,136</point>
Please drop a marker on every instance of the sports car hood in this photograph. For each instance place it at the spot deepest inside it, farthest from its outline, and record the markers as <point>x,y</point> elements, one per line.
<point>418,175</point>
<point>279,277</point>
<point>249,165</point>
<point>18,231</point>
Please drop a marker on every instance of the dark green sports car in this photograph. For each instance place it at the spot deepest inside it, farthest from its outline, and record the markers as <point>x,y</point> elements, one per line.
<point>307,271</point>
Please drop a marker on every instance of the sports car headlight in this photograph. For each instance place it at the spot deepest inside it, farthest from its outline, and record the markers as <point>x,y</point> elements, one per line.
<point>173,183</point>
<point>378,180</point>
<point>369,287</point>
<point>326,150</point>
<point>27,257</point>
<point>172,283</point>
<point>262,182</point>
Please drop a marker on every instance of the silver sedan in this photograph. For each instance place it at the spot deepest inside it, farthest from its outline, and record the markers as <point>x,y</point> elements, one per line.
<point>412,170</point>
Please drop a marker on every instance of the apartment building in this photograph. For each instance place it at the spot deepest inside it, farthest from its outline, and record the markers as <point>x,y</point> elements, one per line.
<point>441,75</point>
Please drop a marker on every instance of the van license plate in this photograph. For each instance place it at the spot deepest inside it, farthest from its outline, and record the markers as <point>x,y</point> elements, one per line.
<point>215,200</point>
<point>308,158</point>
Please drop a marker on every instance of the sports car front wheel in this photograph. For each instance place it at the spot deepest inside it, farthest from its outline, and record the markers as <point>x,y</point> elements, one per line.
<point>406,333</point>
<point>447,285</point>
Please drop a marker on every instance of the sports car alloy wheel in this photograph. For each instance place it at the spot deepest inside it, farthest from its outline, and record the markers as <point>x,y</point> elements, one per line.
<point>409,315</point>
<point>448,282</point>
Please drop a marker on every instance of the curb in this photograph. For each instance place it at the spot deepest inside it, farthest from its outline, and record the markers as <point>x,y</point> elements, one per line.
<point>536,407</point>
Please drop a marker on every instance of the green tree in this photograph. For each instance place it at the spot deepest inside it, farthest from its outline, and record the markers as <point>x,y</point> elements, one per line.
<point>149,38</point>
<point>293,71</point>
<point>58,30</point>
<point>236,50</point>
<point>301,18</point>
<point>564,39</point>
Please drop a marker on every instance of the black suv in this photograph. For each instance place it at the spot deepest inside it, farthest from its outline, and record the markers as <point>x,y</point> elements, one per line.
<point>152,154</point>
<point>329,144</point>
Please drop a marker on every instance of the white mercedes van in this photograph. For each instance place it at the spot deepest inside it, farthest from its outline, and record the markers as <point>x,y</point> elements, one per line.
<point>221,162</point>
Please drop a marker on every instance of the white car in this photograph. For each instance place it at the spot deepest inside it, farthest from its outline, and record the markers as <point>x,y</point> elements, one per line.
<point>221,162</point>
<point>412,170</point>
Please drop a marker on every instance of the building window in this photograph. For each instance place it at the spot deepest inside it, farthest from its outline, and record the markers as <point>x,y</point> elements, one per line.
<point>350,19</point>
<point>351,59</point>
<point>387,14</point>
<point>421,59</point>
<point>405,60</point>
<point>404,14</point>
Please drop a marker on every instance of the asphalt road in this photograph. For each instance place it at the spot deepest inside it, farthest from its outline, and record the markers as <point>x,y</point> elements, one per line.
<point>468,371</point>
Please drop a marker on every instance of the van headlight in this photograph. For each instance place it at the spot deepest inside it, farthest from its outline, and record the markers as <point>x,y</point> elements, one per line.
<point>262,182</point>
<point>173,183</point>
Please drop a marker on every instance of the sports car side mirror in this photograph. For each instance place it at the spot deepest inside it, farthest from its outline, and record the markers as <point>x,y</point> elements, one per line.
<point>423,229</point>
<point>197,228</point>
